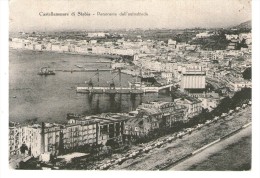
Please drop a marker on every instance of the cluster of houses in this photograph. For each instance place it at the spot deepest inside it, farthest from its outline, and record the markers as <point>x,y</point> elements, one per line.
<point>55,139</point>
<point>152,56</point>
<point>235,39</point>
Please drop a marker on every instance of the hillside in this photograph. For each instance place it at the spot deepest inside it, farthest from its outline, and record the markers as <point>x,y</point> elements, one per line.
<point>247,24</point>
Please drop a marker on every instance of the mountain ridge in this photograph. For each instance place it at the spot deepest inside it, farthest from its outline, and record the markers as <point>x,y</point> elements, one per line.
<point>246,24</point>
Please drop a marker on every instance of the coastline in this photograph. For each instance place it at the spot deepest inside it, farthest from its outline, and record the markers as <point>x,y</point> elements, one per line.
<point>111,57</point>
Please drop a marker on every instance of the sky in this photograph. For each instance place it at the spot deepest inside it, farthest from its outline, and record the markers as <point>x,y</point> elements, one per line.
<point>174,14</point>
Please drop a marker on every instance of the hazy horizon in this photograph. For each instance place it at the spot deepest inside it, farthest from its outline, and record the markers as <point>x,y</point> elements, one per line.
<point>170,14</point>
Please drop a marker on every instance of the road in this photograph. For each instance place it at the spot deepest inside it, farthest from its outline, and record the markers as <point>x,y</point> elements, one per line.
<point>233,153</point>
<point>178,148</point>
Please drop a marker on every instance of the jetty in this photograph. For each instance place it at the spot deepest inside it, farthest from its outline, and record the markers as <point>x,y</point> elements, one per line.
<point>133,88</point>
<point>122,90</point>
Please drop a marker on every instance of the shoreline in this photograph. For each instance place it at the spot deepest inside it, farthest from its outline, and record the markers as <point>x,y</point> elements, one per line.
<point>111,57</point>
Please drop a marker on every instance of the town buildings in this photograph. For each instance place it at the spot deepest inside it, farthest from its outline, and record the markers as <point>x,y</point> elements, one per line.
<point>180,63</point>
<point>103,129</point>
<point>51,135</point>
<point>193,104</point>
<point>77,134</point>
<point>36,139</point>
<point>14,138</point>
<point>154,115</point>
<point>146,120</point>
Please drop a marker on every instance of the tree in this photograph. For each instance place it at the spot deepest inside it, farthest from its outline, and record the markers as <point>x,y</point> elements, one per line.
<point>223,107</point>
<point>247,74</point>
<point>23,148</point>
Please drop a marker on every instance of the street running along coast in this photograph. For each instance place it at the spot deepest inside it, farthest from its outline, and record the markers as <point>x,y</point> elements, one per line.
<point>170,152</point>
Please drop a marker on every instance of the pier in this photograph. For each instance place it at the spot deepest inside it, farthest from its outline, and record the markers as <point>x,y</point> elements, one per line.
<point>122,90</point>
<point>134,87</point>
<point>82,70</point>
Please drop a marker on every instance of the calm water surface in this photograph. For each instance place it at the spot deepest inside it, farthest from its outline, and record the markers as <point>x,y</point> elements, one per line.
<point>50,98</point>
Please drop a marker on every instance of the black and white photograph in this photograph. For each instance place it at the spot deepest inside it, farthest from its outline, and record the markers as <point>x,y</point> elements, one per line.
<point>140,85</point>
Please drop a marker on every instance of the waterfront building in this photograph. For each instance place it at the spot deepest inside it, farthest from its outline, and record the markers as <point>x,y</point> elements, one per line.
<point>144,122</point>
<point>47,46</point>
<point>193,105</point>
<point>160,106</point>
<point>39,47</point>
<point>16,44</point>
<point>29,46</point>
<point>64,48</point>
<point>109,127</point>
<point>51,135</point>
<point>138,127</point>
<point>154,115</point>
<point>98,129</point>
<point>35,139</point>
<point>178,115</point>
<point>171,111</point>
<point>84,49</point>
<point>14,139</point>
<point>78,133</point>
<point>25,140</point>
<point>71,48</point>
<point>31,140</point>
<point>56,47</point>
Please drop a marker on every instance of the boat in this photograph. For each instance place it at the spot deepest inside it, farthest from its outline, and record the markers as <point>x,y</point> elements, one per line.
<point>45,71</point>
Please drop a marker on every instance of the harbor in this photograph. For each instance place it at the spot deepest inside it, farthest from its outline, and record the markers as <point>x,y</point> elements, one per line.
<point>32,92</point>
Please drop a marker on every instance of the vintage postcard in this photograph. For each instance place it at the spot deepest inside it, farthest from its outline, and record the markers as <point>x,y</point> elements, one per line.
<point>130,85</point>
